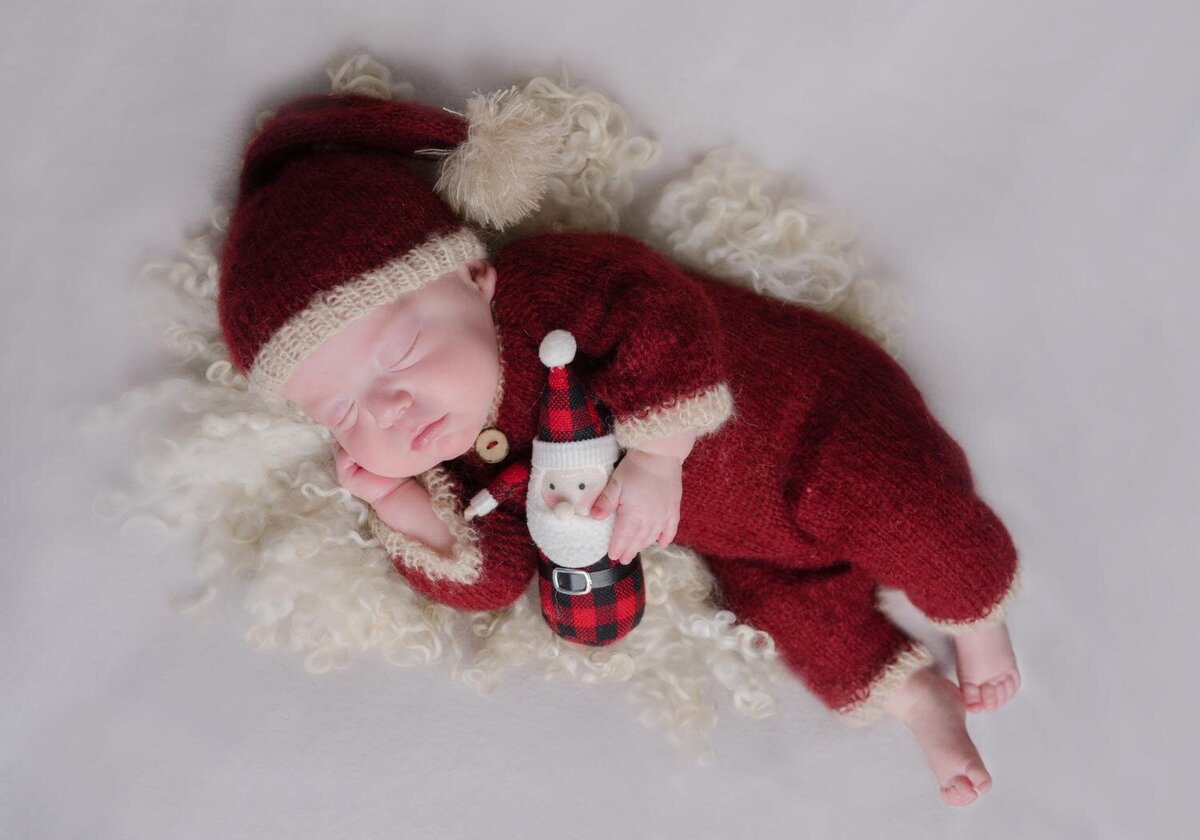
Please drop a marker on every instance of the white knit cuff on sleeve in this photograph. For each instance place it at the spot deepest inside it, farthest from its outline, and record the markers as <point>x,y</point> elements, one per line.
<point>705,412</point>
<point>466,561</point>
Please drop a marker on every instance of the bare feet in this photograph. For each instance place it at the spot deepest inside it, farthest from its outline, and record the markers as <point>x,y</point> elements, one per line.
<point>931,707</point>
<point>987,668</point>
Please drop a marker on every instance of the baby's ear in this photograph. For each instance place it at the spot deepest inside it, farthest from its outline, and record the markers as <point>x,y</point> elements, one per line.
<point>483,274</point>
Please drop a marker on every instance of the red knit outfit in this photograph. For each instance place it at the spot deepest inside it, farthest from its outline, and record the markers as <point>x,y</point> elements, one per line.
<point>818,474</point>
<point>828,479</point>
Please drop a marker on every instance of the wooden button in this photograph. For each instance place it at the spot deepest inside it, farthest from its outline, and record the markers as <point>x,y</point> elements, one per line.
<point>492,446</point>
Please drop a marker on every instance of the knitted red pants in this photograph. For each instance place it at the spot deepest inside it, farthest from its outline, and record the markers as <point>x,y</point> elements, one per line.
<point>882,507</point>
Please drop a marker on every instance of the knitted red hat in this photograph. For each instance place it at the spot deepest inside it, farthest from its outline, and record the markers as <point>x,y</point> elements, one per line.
<point>571,432</point>
<point>332,222</point>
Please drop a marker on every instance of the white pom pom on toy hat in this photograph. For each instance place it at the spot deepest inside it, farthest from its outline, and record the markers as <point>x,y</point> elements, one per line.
<point>557,349</point>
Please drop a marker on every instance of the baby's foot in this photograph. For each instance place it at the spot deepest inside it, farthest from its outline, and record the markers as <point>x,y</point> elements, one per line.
<point>932,708</point>
<point>987,668</point>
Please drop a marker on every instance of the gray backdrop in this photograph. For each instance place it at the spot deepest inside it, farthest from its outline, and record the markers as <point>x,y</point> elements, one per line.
<point>1027,173</point>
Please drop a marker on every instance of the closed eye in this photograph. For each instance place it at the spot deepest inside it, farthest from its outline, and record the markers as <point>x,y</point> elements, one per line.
<point>396,364</point>
<point>349,418</point>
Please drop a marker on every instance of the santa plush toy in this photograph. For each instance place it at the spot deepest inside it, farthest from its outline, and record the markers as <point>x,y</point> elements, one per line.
<point>587,597</point>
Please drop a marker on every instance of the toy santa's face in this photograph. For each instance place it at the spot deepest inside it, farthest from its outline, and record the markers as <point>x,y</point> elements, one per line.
<point>411,383</point>
<point>573,492</point>
<point>562,528</point>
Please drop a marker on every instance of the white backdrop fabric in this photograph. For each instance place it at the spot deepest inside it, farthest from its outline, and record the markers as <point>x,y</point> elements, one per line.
<point>1025,173</point>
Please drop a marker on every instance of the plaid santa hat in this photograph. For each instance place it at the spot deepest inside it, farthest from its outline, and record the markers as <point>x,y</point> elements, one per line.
<point>571,432</point>
<point>331,221</point>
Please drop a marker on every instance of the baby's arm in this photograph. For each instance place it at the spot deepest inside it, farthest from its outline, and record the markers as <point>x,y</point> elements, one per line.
<point>409,510</point>
<point>400,502</point>
<point>650,343</point>
<point>439,555</point>
<point>485,567</point>
<point>649,338</point>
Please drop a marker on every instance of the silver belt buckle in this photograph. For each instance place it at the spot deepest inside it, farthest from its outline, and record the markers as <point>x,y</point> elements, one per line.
<point>558,586</point>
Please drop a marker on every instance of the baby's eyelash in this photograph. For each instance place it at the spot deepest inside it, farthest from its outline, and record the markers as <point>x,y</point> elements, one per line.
<point>400,361</point>
<point>353,409</point>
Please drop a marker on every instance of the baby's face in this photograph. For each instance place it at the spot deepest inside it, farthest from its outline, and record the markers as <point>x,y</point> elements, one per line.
<point>411,384</point>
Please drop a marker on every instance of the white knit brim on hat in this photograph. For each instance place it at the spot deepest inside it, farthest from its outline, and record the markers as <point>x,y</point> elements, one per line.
<point>329,311</point>
<point>597,452</point>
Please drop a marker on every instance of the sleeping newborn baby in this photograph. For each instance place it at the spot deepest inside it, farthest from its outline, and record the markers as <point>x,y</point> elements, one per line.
<point>788,450</point>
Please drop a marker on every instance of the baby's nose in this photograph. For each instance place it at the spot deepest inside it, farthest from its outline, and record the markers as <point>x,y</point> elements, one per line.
<point>391,408</point>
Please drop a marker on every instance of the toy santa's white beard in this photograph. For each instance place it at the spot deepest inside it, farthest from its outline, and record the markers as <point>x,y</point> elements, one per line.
<point>575,541</point>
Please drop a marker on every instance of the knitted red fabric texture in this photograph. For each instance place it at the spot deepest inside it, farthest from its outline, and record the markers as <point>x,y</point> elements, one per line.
<point>327,192</point>
<point>351,121</point>
<point>830,479</point>
<point>513,479</point>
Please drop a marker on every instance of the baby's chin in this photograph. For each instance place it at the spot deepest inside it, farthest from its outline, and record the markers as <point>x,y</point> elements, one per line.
<point>407,470</point>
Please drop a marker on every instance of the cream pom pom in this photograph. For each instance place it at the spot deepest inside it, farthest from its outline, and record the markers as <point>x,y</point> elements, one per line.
<point>362,75</point>
<point>557,349</point>
<point>498,175</point>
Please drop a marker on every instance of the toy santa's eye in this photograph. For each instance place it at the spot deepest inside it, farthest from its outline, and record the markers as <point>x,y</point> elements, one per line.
<point>551,486</point>
<point>582,486</point>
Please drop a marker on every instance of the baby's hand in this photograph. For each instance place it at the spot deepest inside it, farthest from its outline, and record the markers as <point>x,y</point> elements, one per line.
<point>359,481</point>
<point>645,490</point>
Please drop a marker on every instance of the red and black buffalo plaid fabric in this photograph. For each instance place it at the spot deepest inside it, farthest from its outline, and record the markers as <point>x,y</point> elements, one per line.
<point>567,414</point>
<point>601,616</point>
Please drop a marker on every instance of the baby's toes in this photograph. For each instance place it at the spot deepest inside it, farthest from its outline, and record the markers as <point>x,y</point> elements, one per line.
<point>991,695</point>
<point>1006,689</point>
<point>959,791</point>
<point>979,776</point>
<point>1010,689</point>
<point>987,693</point>
<point>970,695</point>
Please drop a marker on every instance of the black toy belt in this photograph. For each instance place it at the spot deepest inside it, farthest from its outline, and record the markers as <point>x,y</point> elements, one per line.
<point>581,581</point>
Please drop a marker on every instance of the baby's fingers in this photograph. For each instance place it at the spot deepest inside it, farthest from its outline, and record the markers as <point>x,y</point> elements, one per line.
<point>624,532</point>
<point>606,502</point>
<point>668,533</point>
<point>643,535</point>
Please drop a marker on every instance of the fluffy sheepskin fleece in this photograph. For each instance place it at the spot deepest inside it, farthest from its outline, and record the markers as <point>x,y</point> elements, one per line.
<point>276,531</point>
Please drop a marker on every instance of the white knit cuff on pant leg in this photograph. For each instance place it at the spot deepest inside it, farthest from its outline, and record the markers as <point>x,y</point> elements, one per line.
<point>886,683</point>
<point>996,614</point>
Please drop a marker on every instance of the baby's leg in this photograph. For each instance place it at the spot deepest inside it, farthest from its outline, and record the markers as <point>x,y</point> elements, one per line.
<point>827,629</point>
<point>931,706</point>
<point>888,489</point>
<point>961,572</point>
